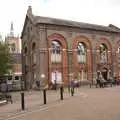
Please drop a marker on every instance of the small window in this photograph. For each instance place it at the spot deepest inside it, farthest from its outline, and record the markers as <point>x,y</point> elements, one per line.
<point>16,77</point>
<point>9,77</point>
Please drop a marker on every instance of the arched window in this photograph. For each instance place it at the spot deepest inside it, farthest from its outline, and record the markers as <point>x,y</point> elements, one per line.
<point>103,53</point>
<point>25,55</point>
<point>33,46</point>
<point>56,51</point>
<point>119,50</point>
<point>81,53</point>
<point>33,53</point>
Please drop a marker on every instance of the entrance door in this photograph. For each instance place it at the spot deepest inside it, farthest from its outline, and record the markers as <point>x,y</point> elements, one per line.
<point>56,77</point>
<point>104,74</point>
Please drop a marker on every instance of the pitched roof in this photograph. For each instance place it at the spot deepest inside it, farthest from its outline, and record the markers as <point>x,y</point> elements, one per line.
<point>61,22</point>
<point>68,23</point>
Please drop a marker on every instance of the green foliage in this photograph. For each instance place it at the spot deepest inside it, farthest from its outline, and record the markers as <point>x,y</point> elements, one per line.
<point>5,59</point>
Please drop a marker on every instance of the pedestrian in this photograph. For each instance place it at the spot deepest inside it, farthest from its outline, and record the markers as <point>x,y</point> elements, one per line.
<point>3,89</point>
<point>8,93</point>
<point>55,85</point>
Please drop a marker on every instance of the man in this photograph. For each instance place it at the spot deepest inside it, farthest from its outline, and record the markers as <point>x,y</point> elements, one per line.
<point>3,89</point>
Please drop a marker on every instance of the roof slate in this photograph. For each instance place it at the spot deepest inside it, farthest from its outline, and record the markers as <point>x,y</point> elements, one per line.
<point>61,22</point>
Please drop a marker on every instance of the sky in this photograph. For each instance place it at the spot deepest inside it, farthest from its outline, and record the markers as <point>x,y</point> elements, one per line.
<point>102,12</point>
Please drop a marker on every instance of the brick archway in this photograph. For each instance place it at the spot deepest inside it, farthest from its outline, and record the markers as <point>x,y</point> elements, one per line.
<point>83,39</point>
<point>104,41</point>
<point>108,63</point>
<point>60,38</point>
<point>63,65</point>
<point>109,49</point>
<point>88,65</point>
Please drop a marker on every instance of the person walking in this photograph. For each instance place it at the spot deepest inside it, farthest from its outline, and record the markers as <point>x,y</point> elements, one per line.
<point>3,89</point>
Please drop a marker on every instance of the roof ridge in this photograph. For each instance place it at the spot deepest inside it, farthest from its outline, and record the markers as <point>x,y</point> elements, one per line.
<point>70,21</point>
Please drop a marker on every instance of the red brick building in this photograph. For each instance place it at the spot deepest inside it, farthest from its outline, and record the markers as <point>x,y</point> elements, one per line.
<point>62,50</point>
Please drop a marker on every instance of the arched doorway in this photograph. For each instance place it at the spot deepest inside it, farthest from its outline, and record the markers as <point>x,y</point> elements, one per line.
<point>104,73</point>
<point>104,58</point>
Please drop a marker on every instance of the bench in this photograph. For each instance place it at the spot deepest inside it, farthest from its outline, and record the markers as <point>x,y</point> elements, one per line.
<point>101,83</point>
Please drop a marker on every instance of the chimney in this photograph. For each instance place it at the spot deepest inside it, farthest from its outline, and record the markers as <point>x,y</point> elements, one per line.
<point>29,11</point>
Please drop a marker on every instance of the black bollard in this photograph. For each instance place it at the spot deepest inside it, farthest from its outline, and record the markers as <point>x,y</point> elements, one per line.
<point>44,96</point>
<point>69,88</point>
<point>61,92</point>
<point>22,101</point>
<point>72,91</point>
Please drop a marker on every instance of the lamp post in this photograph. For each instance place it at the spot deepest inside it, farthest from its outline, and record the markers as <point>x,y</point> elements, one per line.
<point>43,78</point>
<point>55,81</point>
<point>44,90</point>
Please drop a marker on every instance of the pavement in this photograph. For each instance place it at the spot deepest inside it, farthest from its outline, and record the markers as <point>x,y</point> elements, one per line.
<point>86,104</point>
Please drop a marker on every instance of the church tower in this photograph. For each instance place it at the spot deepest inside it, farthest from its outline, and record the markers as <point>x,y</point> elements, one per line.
<point>12,41</point>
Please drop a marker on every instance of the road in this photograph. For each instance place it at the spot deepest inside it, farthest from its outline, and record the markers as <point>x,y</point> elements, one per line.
<point>86,104</point>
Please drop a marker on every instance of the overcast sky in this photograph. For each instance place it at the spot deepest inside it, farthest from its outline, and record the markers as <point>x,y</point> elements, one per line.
<point>101,12</point>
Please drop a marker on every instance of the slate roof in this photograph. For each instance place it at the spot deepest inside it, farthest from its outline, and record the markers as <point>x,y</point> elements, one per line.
<point>61,22</point>
<point>67,23</point>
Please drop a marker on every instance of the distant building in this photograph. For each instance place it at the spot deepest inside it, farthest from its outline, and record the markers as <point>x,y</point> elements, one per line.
<point>14,48</point>
<point>61,50</point>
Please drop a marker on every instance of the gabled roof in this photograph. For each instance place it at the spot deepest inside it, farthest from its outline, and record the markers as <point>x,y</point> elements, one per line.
<point>60,22</point>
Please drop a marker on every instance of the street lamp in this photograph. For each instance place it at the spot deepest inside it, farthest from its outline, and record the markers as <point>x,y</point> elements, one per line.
<point>43,79</point>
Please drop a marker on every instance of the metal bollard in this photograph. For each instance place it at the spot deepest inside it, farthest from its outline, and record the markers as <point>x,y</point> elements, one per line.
<point>72,91</point>
<point>22,101</point>
<point>69,88</point>
<point>44,96</point>
<point>61,92</point>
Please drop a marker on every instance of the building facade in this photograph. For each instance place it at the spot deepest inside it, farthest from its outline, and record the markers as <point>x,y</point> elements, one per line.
<point>61,50</point>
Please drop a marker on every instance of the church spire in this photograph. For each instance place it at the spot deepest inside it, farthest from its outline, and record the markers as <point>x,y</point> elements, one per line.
<point>11,30</point>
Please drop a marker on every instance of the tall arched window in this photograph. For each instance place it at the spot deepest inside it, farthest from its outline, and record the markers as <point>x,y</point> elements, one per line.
<point>33,53</point>
<point>81,53</point>
<point>119,50</point>
<point>25,55</point>
<point>56,51</point>
<point>103,53</point>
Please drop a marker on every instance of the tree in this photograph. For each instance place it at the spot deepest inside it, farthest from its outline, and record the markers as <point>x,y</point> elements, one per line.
<point>5,59</point>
